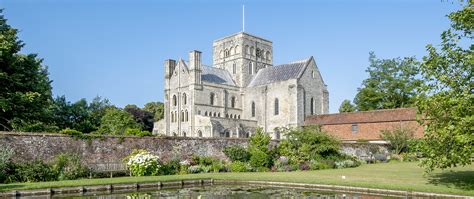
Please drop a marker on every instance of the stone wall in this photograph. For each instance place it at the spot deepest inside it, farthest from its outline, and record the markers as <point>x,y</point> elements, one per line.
<point>109,149</point>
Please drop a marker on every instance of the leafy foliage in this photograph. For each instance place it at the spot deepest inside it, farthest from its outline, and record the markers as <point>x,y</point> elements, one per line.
<point>142,117</point>
<point>260,155</point>
<point>25,88</point>
<point>81,115</point>
<point>143,164</point>
<point>238,166</point>
<point>447,100</point>
<point>156,108</point>
<point>137,132</point>
<point>399,138</point>
<point>308,143</point>
<point>67,166</point>
<point>116,121</point>
<point>392,83</point>
<point>237,153</point>
<point>346,106</point>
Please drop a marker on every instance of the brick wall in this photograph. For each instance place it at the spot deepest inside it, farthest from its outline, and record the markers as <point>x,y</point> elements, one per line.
<point>366,125</point>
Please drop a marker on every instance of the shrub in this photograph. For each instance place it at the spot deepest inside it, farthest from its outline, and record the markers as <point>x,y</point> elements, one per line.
<point>35,171</point>
<point>195,169</point>
<point>239,167</point>
<point>68,167</point>
<point>346,164</point>
<point>143,164</point>
<point>137,132</point>
<point>308,143</point>
<point>259,158</point>
<point>319,165</point>
<point>7,169</point>
<point>237,153</point>
<point>218,166</point>
<point>171,167</point>
<point>398,137</point>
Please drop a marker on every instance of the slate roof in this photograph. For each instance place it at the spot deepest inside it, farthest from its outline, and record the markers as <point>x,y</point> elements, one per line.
<point>279,73</point>
<point>216,75</point>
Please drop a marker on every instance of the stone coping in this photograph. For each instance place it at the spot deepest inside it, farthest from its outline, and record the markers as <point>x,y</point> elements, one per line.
<point>118,188</point>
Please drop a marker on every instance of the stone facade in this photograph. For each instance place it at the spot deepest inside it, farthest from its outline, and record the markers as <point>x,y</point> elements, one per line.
<point>240,92</point>
<point>367,125</point>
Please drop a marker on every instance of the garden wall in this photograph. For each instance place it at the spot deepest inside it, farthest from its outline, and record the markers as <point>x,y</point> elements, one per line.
<point>110,149</point>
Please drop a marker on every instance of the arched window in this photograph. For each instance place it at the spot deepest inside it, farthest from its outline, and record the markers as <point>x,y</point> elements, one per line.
<point>236,50</point>
<point>172,117</point>
<point>312,106</point>
<point>253,109</point>
<point>238,117</point>
<point>175,100</point>
<point>205,113</point>
<point>174,134</point>
<point>215,114</point>
<point>218,114</point>
<point>187,116</point>
<point>182,116</point>
<point>232,102</point>
<point>231,116</point>
<point>184,134</point>
<point>231,50</point>
<point>226,115</point>
<point>234,68</point>
<point>312,74</point>
<point>277,106</point>
<point>247,51</point>
<point>184,99</point>
<point>252,51</point>
<point>267,55</point>
<point>211,98</point>
<point>199,133</point>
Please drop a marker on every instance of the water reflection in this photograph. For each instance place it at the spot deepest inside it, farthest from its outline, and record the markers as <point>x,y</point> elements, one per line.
<point>214,192</point>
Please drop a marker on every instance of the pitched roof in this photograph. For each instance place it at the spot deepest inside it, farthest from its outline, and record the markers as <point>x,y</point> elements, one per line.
<point>385,115</point>
<point>279,73</point>
<point>216,75</point>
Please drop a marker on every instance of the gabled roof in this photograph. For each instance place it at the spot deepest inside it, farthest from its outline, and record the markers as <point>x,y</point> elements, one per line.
<point>384,115</point>
<point>216,75</point>
<point>280,73</point>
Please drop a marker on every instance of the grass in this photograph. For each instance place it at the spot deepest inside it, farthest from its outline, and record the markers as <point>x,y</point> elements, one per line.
<point>395,176</point>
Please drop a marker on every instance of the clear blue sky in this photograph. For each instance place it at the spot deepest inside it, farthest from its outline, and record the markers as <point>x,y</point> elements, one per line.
<point>116,49</point>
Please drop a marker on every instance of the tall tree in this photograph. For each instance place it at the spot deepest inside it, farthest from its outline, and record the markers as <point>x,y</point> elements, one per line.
<point>25,88</point>
<point>447,103</point>
<point>156,108</point>
<point>392,83</point>
<point>81,115</point>
<point>347,106</point>
<point>116,121</point>
<point>142,117</point>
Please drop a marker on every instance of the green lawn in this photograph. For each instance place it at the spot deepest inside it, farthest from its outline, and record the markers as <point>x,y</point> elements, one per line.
<point>395,176</point>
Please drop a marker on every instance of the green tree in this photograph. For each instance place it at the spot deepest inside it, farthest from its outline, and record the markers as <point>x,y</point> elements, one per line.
<point>116,121</point>
<point>347,106</point>
<point>447,100</point>
<point>156,108</point>
<point>392,83</point>
<point>25,88</point>
<point>142,117</point>
<point>399,138</point>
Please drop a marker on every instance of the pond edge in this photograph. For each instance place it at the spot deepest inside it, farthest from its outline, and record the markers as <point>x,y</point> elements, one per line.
<point>117,188</point>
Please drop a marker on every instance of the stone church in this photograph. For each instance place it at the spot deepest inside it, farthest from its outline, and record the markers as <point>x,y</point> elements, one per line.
<point>241,91</point>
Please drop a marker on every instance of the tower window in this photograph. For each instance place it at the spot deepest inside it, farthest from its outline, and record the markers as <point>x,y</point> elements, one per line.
<point>232,102</point>
<point>212,96</point>
<point>277,106</point>
<point>253,109</point>
<point>184,99</point>
<point>175,101</point>
<point>234,68</point>
<point>312,106</point>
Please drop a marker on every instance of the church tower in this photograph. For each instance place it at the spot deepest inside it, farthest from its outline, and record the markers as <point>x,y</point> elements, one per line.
<point>243,55</point>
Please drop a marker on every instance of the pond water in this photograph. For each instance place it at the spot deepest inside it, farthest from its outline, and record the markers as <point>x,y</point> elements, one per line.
<point>227,191</point>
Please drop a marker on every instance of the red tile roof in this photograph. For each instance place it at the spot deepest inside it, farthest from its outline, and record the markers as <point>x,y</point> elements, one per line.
<point>385,115</point>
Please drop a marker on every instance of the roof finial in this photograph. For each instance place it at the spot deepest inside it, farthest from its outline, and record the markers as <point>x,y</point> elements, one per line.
<point>243,18</point>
